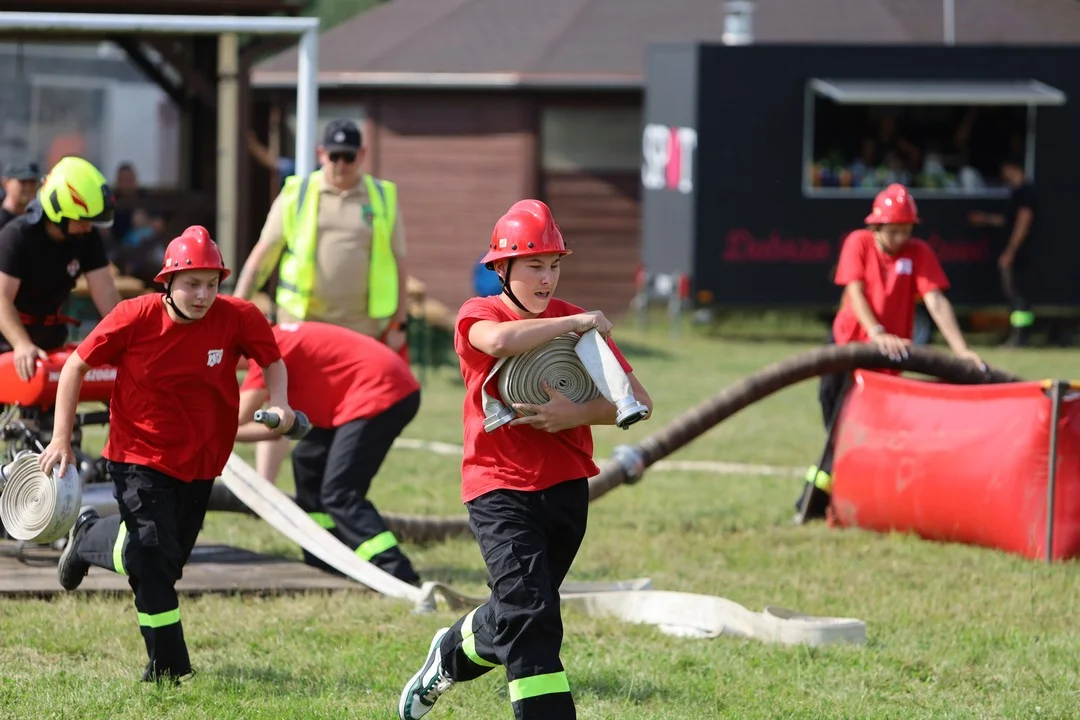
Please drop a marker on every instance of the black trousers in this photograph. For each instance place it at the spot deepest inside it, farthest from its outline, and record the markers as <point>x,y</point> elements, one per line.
<point>150,541</point>
<point>529,541</point>
<point>830,393</point>
<point>817,490</point>
<point>1013,279</point>
<point>333,469</point>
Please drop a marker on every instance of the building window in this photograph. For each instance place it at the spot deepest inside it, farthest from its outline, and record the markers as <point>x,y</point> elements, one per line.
<point>942,138</point>
<point>590,139</point>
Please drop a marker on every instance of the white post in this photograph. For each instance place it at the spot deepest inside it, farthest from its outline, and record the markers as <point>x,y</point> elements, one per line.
<point>738,22</point>
<point>307,102</point>
<point>949,21</point>
<point>228,155</point>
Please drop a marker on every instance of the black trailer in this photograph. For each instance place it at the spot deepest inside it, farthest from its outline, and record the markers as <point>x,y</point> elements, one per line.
<point>759,159</point>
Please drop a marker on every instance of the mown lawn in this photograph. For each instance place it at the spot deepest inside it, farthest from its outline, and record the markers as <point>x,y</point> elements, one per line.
<point>954,632</point>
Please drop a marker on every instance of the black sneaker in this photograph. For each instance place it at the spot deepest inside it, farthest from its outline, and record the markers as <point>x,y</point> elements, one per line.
<point>71,568</point>
<point>151,675</point>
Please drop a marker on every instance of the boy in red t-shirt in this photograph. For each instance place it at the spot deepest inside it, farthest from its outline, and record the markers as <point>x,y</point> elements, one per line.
<point>172,421</point>
<point>525,484</point>
<point>358,395</point>
<point>884,271</point>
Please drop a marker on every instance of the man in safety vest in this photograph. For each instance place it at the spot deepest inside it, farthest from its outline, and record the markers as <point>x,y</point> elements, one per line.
<point>339,237</point>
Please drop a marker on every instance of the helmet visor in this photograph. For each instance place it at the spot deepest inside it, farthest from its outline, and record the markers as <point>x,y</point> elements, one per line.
<point>105,218</point>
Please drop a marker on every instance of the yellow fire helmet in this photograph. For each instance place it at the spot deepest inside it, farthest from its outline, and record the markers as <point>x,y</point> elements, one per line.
<point>76,190</point>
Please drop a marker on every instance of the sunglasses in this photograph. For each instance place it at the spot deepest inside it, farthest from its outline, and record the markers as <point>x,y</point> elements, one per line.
<point>349,157</point>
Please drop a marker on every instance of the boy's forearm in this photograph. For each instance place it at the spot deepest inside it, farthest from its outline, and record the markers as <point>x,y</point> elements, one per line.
<point>67,397</point>
<point>253,432</point>
<point>597,411</point>
<point>515,337</point>
<point>941,311</point>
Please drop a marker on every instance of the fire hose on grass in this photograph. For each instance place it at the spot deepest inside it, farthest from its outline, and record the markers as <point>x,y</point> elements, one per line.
<point>684,614</point>
<point>582,369</point>
<point>629,463</point>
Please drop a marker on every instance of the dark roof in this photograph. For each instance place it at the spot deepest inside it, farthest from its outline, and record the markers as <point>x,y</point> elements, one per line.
<point>596,43</point>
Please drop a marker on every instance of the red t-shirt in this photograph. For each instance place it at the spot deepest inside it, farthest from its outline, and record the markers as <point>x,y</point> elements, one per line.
<point>176,400</point>
<point>337,375</point>
<point>891,283</point>
<point>513,457</point>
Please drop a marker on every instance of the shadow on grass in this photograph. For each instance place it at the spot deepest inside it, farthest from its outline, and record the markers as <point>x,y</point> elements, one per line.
<point>281,682</point>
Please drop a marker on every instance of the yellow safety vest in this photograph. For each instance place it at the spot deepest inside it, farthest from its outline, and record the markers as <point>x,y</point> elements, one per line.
<point>300,225</point>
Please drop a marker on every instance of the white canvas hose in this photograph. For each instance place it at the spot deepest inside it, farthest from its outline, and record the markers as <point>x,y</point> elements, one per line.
<point>36,507</point>
<point>683,614</point>
<point>582,369</point>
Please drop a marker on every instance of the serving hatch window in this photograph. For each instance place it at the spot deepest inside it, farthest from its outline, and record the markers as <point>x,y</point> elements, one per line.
<point>940,137</point>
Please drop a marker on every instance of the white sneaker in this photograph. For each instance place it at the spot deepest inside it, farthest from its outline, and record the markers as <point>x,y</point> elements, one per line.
<point>427,685</point>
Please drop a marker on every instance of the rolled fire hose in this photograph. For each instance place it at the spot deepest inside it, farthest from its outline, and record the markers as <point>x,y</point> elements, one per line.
<point>629,462</point>
<point>35,507</point>
<point>581,368</point>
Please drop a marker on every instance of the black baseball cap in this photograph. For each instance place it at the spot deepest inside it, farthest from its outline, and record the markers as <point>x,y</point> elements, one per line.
<point>342,136</point>
<point>21,168</point>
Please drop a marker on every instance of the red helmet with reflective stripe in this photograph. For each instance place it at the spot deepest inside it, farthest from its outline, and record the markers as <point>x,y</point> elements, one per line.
<point>526,229</point>
<point>894,206</point>
<point>193,250</point>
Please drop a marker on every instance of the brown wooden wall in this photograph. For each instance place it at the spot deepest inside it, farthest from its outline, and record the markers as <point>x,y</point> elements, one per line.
<point>459,161</point>
<point>599,216</point>
<point>590,176</point>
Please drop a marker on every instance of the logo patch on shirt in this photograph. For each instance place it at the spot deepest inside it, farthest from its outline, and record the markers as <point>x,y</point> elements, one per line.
<point>369,214</point>
<point>903,266</point>
<point>73,268</point>
<point>214,357</point>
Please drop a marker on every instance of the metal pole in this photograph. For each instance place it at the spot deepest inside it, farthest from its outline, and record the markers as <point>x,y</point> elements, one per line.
<point>949,21</point>
<point>1057,389</point>
<point>169,24</point>
<point>228,138</point>
<point>307,102</point>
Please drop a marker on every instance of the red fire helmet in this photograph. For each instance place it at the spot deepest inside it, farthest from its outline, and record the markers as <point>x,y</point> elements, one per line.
<point>527,228</point>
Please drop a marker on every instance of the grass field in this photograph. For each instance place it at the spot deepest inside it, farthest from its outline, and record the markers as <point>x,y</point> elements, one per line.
<point>953,631</point>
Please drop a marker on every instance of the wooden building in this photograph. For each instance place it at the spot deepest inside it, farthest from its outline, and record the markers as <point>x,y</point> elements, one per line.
<point>472,104</point>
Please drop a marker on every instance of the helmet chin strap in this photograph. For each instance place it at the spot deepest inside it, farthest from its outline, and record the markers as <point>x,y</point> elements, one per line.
<point>510,293</point>
<point>169,301</point>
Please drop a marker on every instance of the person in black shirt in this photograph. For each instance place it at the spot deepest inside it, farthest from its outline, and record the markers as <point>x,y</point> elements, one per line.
<point>21,180</point>
<point>1014,261</point>
<point>42,254</point>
